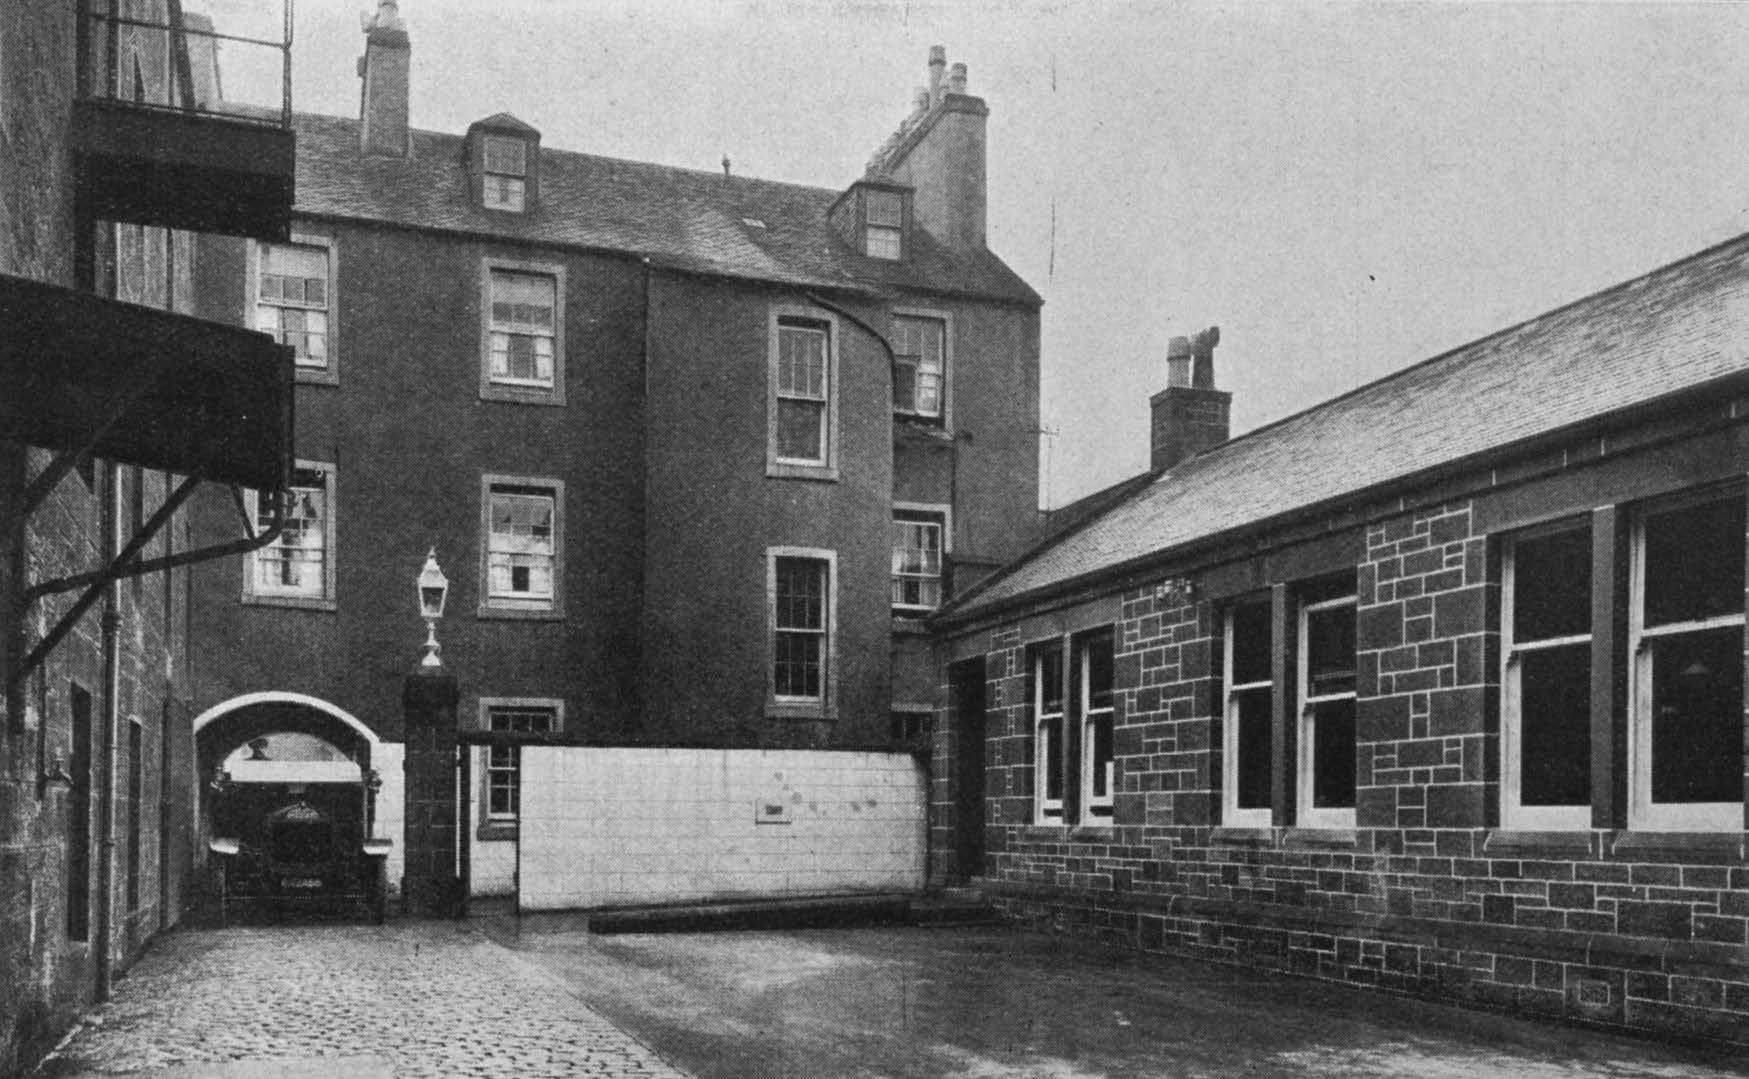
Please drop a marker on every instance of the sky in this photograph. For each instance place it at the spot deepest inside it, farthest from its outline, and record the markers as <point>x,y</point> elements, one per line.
<point>1344,188</point>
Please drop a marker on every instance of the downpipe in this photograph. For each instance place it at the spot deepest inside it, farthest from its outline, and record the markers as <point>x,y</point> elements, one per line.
<point>109,532</point>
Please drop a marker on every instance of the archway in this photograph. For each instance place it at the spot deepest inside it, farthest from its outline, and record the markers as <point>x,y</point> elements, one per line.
<point>274,771</point>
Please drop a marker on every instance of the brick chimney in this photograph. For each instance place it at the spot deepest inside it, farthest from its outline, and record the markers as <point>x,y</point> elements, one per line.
<point>1189,415</point>
<point>384,69</point>
<point>938,152</point>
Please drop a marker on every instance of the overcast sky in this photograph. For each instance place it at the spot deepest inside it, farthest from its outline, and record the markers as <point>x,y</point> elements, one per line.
<point>1344,188</point>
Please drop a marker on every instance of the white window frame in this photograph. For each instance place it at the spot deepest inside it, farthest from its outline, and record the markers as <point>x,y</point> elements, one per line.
<point>327,372</point>
<point>253,592</point>
<point>516,390</point>
<point>793,706</point>
<point>1232,815</point>
<point>503,824</point>
<point>1643,813</point>
<point>940,516</point>
<point>1309,816</point>
<point>1095,809</point>
<point>1513,812</point>
<point>826,466</point>
<point>508,606</point>
<point>1048,810</point>
<point>488,175</point>
<point>888,233</point>
<point>943,416</point>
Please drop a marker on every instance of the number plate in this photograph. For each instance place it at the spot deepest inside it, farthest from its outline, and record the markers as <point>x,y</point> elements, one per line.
<point>302,882</point>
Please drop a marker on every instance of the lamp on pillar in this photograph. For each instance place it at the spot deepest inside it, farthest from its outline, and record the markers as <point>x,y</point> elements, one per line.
<point>433,590</point>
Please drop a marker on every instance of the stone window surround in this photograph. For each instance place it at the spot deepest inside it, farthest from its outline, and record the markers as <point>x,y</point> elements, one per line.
<point>329,373</point>
<point>487,606</point>
<point>492,390</point>
<point>784,468</point>
<point>501,828</point>
<point>826,706</point>
<point>945,418</point>
<point>327,600</point>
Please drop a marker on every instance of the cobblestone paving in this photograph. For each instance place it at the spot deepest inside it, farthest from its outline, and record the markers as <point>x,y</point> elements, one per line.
<point>409,1000</point>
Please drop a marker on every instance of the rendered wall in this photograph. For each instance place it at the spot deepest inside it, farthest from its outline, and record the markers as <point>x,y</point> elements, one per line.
<point>607,827</point>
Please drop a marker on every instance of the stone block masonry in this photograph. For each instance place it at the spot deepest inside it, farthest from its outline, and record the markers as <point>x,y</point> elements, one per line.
<point>1427,895</point>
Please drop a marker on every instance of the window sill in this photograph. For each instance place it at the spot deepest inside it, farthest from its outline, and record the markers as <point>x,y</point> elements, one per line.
<point>910,625</point>
<point>316,376</point>
<point>1678,844</point>
<point>495,830</point>
<point>519,395</point>
<point>799,710</point>
<point>524,614</point>
<point>1243,837</point>
<point>1541,842</point>
<point>302,603</point>
<point>1319,839</point>
<point>793,470</point>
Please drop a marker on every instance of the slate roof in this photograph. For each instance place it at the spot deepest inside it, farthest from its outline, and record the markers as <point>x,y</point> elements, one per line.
<point>1675,329</point>
<point>678,218</point>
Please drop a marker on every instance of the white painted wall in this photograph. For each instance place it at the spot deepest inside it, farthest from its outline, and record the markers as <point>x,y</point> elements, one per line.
<point>389,760</point>
<point>606,827</point>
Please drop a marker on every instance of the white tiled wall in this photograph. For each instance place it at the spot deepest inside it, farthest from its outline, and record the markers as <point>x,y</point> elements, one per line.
<point>604,827</point>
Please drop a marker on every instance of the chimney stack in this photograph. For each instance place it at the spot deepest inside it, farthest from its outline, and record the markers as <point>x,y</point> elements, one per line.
<point>1189,415</point>
<point>938,152</point>
<point>384,68</point>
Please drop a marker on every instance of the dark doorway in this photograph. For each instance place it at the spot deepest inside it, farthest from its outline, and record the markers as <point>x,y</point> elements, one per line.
<point>79,820</point>
<point>966,680</point>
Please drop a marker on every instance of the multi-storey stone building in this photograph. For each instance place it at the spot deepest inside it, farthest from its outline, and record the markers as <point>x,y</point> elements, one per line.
<point>696,451</point>
<point>1436,687</point>
<point>113,403</point>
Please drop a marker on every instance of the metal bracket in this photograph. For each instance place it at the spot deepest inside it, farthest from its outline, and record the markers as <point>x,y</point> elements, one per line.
<point>127,563</point>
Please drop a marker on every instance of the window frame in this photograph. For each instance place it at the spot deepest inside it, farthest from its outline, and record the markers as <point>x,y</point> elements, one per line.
<point>1643,813</point>
<point>524,392</point>
<point>1232,814</point>
<point>944,415</point>
<point>328,374</point>
<point>1307,815</point>
<point>1514,814</point>
<point>1048,811</point>
<point>777,466</point>
<point>497,826</point>
<point>503,607</point>
<point>488,174</point>
<point>867,227</point>
<point>790,706</point>
<point>941,516</point>
<point>1094,809</point>
<point>328,598</point>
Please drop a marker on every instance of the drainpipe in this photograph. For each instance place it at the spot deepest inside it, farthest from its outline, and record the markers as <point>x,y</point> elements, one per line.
<point>109,532</point>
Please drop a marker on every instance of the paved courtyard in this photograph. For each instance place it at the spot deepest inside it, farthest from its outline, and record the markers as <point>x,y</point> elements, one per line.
<point>542,997</point>
<point>408,999</point>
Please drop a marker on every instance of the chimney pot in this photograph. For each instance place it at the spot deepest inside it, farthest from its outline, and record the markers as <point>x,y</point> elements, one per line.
<point>937,66</point>
<point>956,80</point>
<point>1190,416</point>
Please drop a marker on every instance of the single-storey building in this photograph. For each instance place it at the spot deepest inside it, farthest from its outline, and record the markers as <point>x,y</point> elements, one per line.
<point>1436,687</point>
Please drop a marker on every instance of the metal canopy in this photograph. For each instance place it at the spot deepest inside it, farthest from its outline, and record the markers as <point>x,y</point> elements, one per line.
<point>82,373</point>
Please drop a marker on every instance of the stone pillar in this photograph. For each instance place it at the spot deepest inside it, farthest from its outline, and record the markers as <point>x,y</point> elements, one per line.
<point>430,887</point>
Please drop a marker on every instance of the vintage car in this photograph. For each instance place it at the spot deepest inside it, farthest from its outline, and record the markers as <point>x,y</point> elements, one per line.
<point>297,856</point>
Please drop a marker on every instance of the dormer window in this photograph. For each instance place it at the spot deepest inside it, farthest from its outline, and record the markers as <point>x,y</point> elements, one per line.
<point>883,224</point>
<point>503,162</point>
<point>506,172</point>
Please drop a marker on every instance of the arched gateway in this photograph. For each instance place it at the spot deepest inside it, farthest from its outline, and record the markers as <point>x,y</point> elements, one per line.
<point>287,797</point>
